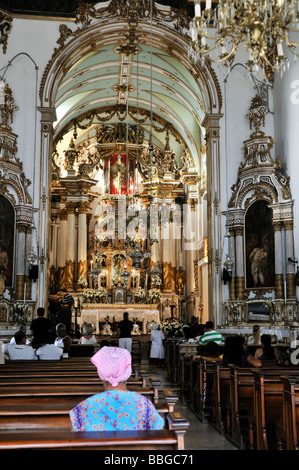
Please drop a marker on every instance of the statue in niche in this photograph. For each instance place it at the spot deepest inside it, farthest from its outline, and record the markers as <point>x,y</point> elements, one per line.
<point>7,239</point>
<point>260,270</point>
<point>181,279</point>
<point>2,284</point>
<point>258,259</point>
<point>167,276</point>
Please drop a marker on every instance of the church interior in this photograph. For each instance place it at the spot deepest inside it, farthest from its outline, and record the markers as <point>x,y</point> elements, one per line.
<point>147,164</point>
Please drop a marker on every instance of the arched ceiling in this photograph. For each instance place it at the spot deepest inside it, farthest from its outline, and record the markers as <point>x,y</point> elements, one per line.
<point>157,83</point>
<point>112,85</point>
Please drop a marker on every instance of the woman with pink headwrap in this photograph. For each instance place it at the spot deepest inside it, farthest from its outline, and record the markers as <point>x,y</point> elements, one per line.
<point>116,408</point>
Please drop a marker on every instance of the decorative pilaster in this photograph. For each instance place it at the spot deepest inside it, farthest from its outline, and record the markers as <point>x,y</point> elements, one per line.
<point>82,239</point>
<point>211,124</point>
<point>47,118</point>
<point>278,260</point>
<point>240,277</point>
<point>70,246</point>
<point>232,284</point>
<point>61,252</point>
<point>20,264</point>
<point>290,274</point>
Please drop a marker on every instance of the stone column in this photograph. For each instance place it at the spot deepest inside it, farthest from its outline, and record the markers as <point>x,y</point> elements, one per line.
<point>211,124</point>
<point>290,274</point>
<point>240,277</point>
<point>70,247</point>
<point>27,279</point>
<point>20,264</point>
<point>61,251</point>
<point>232,249</point>
<point>47,118</point>
<point>279,294</point>
<point>82,239</point>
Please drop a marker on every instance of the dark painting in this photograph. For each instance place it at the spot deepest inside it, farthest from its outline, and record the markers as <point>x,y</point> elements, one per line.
<point>7,231</point>
<point>259,232</point>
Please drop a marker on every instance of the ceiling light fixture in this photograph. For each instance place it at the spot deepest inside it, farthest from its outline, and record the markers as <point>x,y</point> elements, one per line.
<point>264,27</point>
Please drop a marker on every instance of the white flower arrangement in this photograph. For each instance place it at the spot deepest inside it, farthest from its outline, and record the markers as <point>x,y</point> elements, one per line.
<point>100,292</point>
<point>173,328</point>
<point>20,306</point>
<point>82,282</point>
<point>89,294</point>
<point>139,293</point>
<point>154,295</point>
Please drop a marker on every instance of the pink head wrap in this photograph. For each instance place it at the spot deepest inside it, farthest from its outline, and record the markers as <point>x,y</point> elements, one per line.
<point>114,364</point>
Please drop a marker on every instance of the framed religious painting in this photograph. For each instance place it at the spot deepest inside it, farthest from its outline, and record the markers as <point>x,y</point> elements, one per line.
<point>7,240</point>
<point>259,246</point>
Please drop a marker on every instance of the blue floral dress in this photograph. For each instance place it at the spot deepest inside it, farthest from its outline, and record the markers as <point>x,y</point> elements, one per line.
<point>115,411</point>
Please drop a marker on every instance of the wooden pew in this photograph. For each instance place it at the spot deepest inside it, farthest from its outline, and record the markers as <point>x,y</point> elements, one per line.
<point>275,408</point>
<point>172,359</point>
<point>172,438</point>
<point>56,415</point>
<point>221,398</point>
<point>28,378</point>
<point>254,392</point>
<point>287,429</point>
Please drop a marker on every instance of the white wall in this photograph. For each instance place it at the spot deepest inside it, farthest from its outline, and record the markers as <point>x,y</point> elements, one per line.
<point>286,102</point>
<point>30,46</point>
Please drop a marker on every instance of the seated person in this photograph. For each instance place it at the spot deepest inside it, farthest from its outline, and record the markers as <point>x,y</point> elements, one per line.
<point>20,350</point>
<point>115,409</point>
<point>22,328</point>
<point>87,335</point>
<point>266,352</point>
<point>63,340</point>
<point>211,353</point>
<point>235,353</point>
<point>48,351</point>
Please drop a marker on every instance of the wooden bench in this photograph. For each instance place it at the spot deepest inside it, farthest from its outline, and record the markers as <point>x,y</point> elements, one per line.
<point>287,429</point>
<point>48,415</point>
<point>172,438</point>
<point>249,389</point>
<point>221,398</point>
<point>29,378</point>
<point>275,408</point>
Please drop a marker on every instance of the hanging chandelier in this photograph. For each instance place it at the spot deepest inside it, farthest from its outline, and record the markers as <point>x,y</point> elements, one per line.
<point>264,27</point>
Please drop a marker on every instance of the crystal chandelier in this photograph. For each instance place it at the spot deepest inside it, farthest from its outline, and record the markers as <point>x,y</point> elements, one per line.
<point>264,27</point>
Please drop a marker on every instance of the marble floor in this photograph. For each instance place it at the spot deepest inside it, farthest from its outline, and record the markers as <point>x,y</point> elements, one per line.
<point>199,436</point>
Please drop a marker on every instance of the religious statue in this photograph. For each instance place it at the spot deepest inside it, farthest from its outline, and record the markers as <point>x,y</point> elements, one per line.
<point>181,279</point>
<point>2,283</point>
<point>136,330</point>
<point>167,276</point>
<point>107,328</point>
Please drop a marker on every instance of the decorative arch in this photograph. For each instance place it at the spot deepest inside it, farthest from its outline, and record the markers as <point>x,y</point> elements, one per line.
<point>115,23</point>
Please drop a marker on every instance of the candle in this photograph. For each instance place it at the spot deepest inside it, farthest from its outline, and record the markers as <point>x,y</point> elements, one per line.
<point>76,302</point>
<point>279,49</point>
<point>197,8</point>
<point>208,4</point>
<point>25,285</point>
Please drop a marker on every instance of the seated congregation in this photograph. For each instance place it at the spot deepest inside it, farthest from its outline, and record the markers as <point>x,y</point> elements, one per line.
<point>243,389</point>
<point>101,402</point>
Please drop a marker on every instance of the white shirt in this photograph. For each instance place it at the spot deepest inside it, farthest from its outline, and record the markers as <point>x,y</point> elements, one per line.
<point>49,352</point>
<point>91,340</point>
<point>19,352</point>
<point>13,341</point>
<point>60,344</point>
